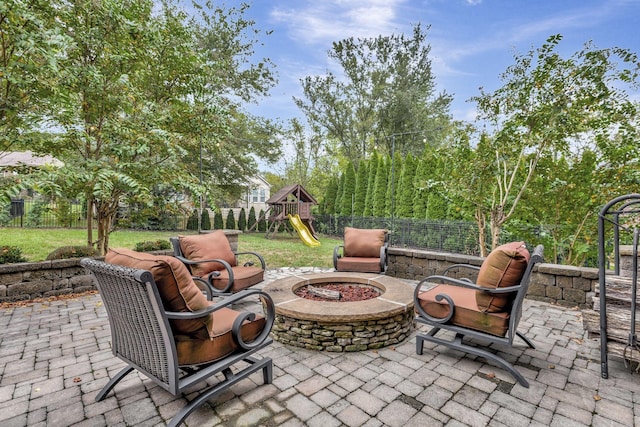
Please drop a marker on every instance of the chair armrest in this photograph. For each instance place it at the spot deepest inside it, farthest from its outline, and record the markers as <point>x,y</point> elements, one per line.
<point>206,287</point>
<point>267,305</point>
<point>212,274</point>
<point>263,265</point>
<point>338,252</point>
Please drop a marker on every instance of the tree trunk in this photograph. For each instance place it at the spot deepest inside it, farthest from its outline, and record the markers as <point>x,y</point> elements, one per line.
<point>89,222</point>
<point>481,220</point>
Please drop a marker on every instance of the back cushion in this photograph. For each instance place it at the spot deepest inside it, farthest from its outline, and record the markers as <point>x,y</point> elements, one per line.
<point>504,267</point>
<point>214,245</point>
<point>175,285</point>
<point>363,243</point>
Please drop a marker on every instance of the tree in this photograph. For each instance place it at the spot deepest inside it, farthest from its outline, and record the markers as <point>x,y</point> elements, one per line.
<point>404,207</point>
<point>372,168</point>
<point>114,112</point>
<point>205,220</point>
<point>242,220</point>
<point>362,180</point>
<point>379,201</point>
<point>348,191</point>
<point>395,170</point>
<point>546,104</point>
<point>329,201</point>
<point>230,222</point>
<point>252,221</point>
<point>218,223</point>
<point>386,88</point>
<point>30,48</point>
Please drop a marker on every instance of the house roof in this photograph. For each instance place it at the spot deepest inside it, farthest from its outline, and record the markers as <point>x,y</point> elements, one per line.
<point>26,158</point>
<point>296,190</point>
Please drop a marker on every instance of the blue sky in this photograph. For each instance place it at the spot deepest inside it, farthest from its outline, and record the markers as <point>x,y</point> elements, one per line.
<point>472,41</point>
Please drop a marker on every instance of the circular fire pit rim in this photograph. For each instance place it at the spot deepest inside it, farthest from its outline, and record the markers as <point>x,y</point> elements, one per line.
<point>396,298</point>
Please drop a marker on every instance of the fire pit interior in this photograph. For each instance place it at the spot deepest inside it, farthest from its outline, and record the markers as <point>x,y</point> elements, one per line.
<point>327,311</point>
<point>338,292</point>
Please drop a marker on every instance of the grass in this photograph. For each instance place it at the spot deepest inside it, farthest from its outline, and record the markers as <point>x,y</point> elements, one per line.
<point>281,250</point>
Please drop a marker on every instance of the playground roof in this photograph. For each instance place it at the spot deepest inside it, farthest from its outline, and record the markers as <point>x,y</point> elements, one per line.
<point>295,190</point>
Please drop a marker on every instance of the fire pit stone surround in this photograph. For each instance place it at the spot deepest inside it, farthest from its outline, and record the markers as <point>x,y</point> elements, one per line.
<point>342,326</point>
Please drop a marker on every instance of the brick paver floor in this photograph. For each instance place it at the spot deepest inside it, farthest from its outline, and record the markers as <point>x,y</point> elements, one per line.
<point>55,356</point>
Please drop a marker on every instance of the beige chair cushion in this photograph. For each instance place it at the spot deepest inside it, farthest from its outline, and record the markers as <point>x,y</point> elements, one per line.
<point>195,350</point>
<point>363,243</point>
<point>504,267</point>
<point>175,285</point>
<point>214,245</point>
<point>362,265</point>
<point>467,313</point>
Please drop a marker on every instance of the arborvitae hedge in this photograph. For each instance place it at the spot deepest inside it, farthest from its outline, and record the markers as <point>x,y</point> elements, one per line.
<point>372,170</point>
<point>192,221</point>
<point>205,221</point>
<point>230,223</point>
<point>404,195</point>
<point>380,189</point>
<point>251,222</point>
<point>262,222</point>
<point>218,224</point>
<point>348,191</point>
<point>242,220</point>
<point>361,188</point>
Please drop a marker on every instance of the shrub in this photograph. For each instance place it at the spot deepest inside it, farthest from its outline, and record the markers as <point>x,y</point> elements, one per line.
<point>192,222</point>
<point>65,252</point>
<point>251,222</point>
<point>205,221</point>
<point>242,220</point>
<point>11,254</point>
<point>152,245</point>
<point>230,223</point>
<point>218,224</point>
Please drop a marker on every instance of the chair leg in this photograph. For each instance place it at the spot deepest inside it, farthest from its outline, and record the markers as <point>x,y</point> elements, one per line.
<point>230,380</point>
<point>112,383</point>
<point>420,339</point>
<point>526,340</point>
<point>457,344</point>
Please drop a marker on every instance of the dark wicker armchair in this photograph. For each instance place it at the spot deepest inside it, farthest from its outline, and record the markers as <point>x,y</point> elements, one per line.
<point>488,309</point>
<point>163,326</point>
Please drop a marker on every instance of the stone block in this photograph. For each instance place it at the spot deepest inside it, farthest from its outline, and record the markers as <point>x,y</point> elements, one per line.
<point>564,281</point>
<point>577,296</point>
<point>36,288</point>
<point>584,284</point>
<point>554,292</point>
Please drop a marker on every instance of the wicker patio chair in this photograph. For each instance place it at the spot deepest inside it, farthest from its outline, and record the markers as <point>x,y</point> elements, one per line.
<point>210,257</point>
<point>364,250</point>
<point>154,331</point>
<point>488,310</point>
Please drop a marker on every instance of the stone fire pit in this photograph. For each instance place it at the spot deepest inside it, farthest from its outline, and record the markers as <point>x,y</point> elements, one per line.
<point>342,326</point>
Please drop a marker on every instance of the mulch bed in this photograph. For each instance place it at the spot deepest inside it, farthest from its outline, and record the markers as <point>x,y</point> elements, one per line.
<point>62,297</point>
<point>348,292</point>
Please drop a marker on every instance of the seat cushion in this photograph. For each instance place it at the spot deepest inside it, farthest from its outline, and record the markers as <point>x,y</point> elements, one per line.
<point>214,245</point>
<point>195,350</point>
<point>467,314</point>
<point>363,243</point>
<point>175,286</point>
<point>362,265</point>
<point>243,277</point>
<point>502,268</point>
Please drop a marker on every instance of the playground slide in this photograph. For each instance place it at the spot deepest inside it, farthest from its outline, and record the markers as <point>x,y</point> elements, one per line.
<point>303,231</point>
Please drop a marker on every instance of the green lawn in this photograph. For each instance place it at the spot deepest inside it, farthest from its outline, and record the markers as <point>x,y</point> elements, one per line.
<point>281,250</point>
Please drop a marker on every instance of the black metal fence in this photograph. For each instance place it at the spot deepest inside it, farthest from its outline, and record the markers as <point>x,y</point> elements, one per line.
<point>445,236</point>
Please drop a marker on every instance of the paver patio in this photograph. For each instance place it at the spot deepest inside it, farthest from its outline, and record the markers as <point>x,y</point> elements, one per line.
<point>55,356</point>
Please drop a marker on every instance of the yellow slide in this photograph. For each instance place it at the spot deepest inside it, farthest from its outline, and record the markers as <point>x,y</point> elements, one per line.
<point>303,231</point>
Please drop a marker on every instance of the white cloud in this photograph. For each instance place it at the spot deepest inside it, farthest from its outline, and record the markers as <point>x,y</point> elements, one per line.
<point>315,22</point>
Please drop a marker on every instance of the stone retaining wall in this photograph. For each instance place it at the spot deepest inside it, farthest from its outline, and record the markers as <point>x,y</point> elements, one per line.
<point>564,285</point>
